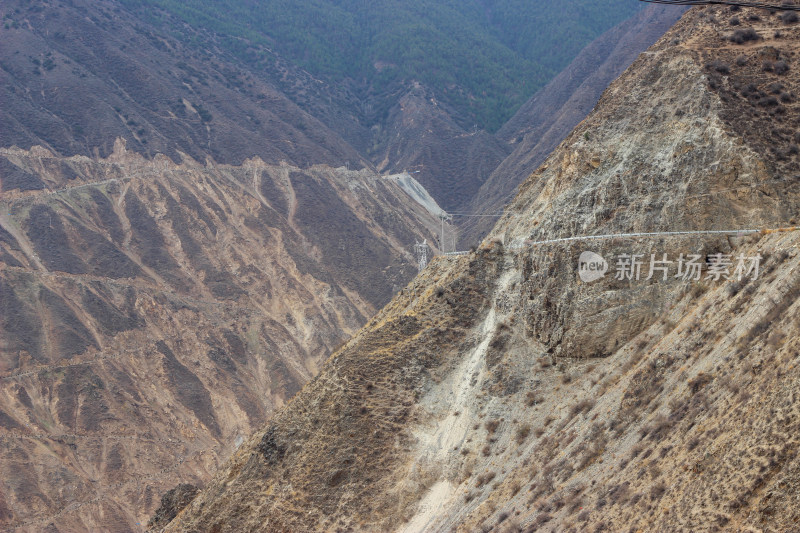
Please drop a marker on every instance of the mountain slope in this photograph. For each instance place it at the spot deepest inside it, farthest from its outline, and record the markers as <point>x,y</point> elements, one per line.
<point>78,75</point>
<point>499,392</point>
<point>483,58</point>
<point>169,79</point>
<point>548,117</point>
<point>421,135</point>
<point>153,315</point>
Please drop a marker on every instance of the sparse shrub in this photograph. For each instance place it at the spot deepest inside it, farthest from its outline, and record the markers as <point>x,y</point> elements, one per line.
<point>205,115</point>
<point>664,451</point>
<point>775,87</point>
<point>658,429</point>
<point>601,502</point>
<point>486,451</point>
<point>655,472</point>
<point>741,60</point>
<point>583,406</point>
<point>619,493</point>
<point>558,501</point>
<point>657,491</point>
<point>541,520</point>
<point>522,433</point>
<point>781,67</point>
<point>744,35</point>
<point>767,66</point>
<point>768,101</point>
<point>789,17</point>
<point>698,382</point>
<point>776,338</point>
<point>750,89</point>
<point>744,396</point>
<point>592,452</point>
<point>492,425</point>
<point>484,478</point>
<point>734,287</point>
<point>734,21</point>
<point>531,398</point>
<point>733,387</point>
<point>698,289</point>
<point>786,98</point>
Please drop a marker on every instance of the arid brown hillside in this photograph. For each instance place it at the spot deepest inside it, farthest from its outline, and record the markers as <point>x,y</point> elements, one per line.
<point>77,75</point>
<point>153,315</point>
<point>500,392</point>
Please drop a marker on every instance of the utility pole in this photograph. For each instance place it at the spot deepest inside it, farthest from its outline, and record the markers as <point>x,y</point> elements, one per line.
<point>441,241</point>
<point>443,216</point>
<point>421,249</point>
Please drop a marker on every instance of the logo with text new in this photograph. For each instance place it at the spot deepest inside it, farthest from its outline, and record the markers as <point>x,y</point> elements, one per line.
<point>591,267</point>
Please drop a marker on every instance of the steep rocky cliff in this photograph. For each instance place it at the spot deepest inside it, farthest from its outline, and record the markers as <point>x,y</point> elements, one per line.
<point>550,115</point>
<point>153,315</point>
<point>498,391</point>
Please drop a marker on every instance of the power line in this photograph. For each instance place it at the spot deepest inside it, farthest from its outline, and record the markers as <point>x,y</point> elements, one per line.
<point>761,5</point>
<point>738,232</point>
<point>470,215</point>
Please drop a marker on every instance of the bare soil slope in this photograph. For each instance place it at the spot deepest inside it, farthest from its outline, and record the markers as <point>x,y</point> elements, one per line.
<point>153,315</point>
